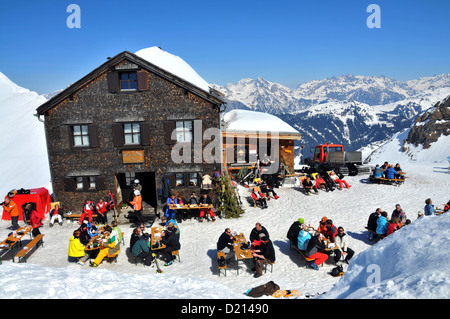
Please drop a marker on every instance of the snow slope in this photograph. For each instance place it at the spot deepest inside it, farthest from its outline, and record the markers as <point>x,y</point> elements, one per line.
<point>47,273</point>
<point>23,150</point>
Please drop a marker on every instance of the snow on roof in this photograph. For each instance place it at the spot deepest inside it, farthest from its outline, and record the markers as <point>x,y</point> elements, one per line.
<point>173,64</point>
<point>251,121</point>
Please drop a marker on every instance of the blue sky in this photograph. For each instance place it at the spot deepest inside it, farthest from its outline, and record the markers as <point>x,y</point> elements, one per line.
<point>288,42</point>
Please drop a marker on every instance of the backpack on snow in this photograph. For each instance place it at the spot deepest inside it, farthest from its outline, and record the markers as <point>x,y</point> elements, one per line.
<point>337,271</point>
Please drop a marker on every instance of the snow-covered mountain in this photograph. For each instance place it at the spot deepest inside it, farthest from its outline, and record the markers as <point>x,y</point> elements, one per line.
<point>23,151</point>
<point>266,96</point>
<point>352,110</point>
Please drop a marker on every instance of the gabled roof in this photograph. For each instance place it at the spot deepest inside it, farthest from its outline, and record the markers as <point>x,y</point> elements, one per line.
<point>211,96</point>
<point>244,121</point>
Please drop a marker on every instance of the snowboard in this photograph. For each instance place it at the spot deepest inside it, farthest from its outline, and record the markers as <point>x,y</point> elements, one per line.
<point>286,293</point>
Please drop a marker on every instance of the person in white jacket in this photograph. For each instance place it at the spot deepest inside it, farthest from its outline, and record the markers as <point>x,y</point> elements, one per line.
<point>341,241</point>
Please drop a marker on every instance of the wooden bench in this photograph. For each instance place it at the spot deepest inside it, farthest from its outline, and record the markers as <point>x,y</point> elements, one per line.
<point>73,216</point>
<point>271,267</point>
<point>176,254</point>
<point>388,181</point>
<point>374,232</point>
<point>224,267</point>
<point>302,253</point>
<point>25,250</point>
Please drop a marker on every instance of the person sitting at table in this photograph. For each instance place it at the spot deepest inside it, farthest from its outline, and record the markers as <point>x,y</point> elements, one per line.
<point>193,200</point>
<point>322,225</point>
<point>429,207</point>
<point>393,225</point>
<point>77,251</point>
<point>315,249</point>
<point>115,227</point>
<point>258,197</point>
<point>88,210</point>
<point>171,239</point>
<point>135,236</point>
<point>76,248</point>
<point>255,234</point>
<point>382,224</point>
<point>294,230</point>
<point>165,222</point>
<point>170,212</point>
<point>264,254</point>
<point>84,233</point>
<point>377,172</point>
<point>225,244</point>
<point>390,172</point>
<point>111,248</point>
<point>140,249</point>
<point>399,213</point>
<point>303,239</point>
<point>206,200</point>
<point>92,229</point>
<point>55,213</point>
<point>331,230</point>
<point>372,223</point>
<point>341,242</point>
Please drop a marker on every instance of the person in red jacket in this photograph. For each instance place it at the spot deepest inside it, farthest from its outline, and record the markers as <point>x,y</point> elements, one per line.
<point>88,210</point>
<point>102,210</point>
<point>393,225</point>
<point>259,197</point>
<point>331,230</point>
<point>36,222</point>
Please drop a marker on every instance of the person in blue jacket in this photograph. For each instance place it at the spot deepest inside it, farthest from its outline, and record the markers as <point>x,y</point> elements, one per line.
<point>390,173</point>
<point>303,239</point>
<point>382,224</point>
<point>378,172</point>
<point>170,213</point>
<point>429,207</point>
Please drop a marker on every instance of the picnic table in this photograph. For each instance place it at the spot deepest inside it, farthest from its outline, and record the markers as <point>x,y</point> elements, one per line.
<point>156,236</point>
<point>189,207</point>
<point>241,254</point>
<point>14,238</point>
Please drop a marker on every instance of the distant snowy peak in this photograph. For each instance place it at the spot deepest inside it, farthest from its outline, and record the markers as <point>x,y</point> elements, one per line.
<point>372,90</point>
<point>427,83</point>
<point>266,96</point>
<point>260,95</point>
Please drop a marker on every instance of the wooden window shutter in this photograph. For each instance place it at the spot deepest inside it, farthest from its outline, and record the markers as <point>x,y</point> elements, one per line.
<point>101,182</point>
<point>169,127</point>
<point>118,138</point>
<point>113,82</point>
<point>70,134</point>
<point>93,136</point>
<point>145,134</point>
<point>142,80</point>
<point>69,184</point>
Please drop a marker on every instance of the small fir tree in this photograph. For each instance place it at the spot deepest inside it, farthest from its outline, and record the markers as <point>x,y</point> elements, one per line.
<point>229,201</point>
